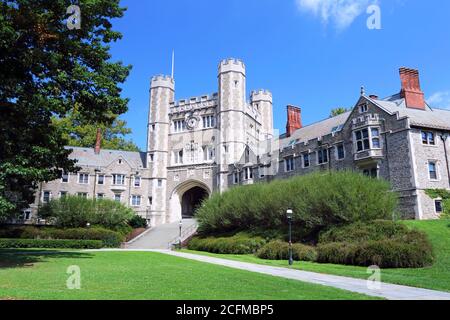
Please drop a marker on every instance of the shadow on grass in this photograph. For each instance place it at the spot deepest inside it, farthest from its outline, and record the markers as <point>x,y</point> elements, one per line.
<point>10,258</point>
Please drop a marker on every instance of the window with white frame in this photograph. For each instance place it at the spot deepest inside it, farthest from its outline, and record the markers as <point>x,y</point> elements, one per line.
<point>178,157</point>
<point>101,179</point>
<point>118,179</point>
<point>26,214</point>
<point>160,183</point>
<point>209,153</point>
<point>117,197</point>
<point>322,156</point>
<point>428,138</point>
<point>150,201</point>
<point>63,194</point>
<point>340,151</point>
<point>136,200</point>
<point>209,121</point>
<point>375,136</point>
<point>137,181</point>
<point>432,170</point>
<point>289,164</point>
<point>46,196</point>
<point>82,195</point>
<point>363,108</point>
<point>65,177</point>
<point>368,138</point>
<point>306,160</point>
<point>236,177</point>
<point>438,206</point>
<point>248,173</point>
<point>100,196</point>
<point>83,178</point>
<point>179,125</point>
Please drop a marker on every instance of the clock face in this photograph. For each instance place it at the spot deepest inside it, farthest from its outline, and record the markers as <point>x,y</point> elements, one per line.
<point>191,123</point>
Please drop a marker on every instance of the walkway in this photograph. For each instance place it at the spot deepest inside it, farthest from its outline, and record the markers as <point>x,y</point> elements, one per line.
<point>159,237</point>
<point>387,291</point>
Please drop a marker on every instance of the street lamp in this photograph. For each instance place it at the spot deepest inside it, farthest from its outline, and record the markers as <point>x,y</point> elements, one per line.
<point>289,217</point>
<point>88,225</point>
<point>181,226</point>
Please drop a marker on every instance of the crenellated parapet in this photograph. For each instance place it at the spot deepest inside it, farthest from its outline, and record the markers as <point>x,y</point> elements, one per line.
<point>162,81</point>
<point>261,95</point>
<point>232,65</point>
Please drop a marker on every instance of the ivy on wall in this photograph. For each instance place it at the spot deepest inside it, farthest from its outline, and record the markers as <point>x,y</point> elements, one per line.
<point>445,196</point>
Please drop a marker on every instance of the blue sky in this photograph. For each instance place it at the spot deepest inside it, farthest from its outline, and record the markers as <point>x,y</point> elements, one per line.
<point>312,53</point>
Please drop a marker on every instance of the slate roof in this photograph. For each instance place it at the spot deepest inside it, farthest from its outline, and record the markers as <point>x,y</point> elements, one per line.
<point>87,157</point>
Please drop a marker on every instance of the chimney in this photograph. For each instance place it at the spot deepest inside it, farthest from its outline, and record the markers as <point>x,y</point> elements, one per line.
<point>373,96</point>
<point>294,119</point>
<point>411,91</point>
<point>98,141</point>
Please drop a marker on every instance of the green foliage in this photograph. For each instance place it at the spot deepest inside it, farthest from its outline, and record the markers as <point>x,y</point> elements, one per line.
<point>337,111</point>
<point>319,201</point>
<point>279,250</point>
<point>79,134</point>
<point>67,244</point>
<point>445,196</point>
<point>77,212</point>
<point>46,70</point>
<point>137,222</point>
<point>237,244</point>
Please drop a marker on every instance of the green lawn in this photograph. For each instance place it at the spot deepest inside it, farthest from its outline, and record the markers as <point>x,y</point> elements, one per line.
<point>37,274</point>
<point>436,277</point>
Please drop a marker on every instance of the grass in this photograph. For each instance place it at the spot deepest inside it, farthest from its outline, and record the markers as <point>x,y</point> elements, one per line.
<point>436,277</point>
<point>41,274</point>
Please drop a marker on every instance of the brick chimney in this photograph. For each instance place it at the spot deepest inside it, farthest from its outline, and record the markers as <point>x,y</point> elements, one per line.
<point>98,141</point>
<point>294,119</point>
<point>411,91</point>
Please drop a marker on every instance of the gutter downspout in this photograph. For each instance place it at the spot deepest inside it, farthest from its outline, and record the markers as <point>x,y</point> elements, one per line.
<point>444,138</point>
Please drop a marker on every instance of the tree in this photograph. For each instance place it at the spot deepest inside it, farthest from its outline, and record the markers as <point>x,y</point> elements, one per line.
<point>46,68</point>
<point>337,111</point>
<point>79,134</point>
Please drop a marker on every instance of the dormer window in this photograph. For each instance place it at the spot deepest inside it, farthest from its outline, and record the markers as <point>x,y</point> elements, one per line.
<point>120,161</point>
<point>363,108</point>
<point>248,173</point>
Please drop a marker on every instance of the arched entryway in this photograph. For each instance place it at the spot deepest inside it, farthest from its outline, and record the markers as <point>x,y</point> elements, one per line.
<point>191,201</point>
<point>186,198</point>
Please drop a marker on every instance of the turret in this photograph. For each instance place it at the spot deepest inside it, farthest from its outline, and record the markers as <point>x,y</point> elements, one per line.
<point>262,101</point>
<point>162,93</point>
<point>231,116</point>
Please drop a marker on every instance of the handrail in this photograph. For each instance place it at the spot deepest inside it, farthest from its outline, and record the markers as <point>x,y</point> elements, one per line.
<point>185,233</point>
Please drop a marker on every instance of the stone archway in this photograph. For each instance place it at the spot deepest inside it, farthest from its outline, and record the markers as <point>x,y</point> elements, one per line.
<point>185,198</point>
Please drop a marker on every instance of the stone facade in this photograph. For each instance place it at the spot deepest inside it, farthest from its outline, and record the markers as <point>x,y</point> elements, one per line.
<point>210,143</point>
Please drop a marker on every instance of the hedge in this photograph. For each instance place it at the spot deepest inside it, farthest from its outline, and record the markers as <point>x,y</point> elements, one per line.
<point>279,250</point>
<point>319,200</point>
<point>410,251</point>
<point>238,244</point>
<point>54,244</point>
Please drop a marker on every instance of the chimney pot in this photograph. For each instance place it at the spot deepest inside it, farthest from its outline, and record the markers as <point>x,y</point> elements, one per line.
<point>294,119</point>
<point>411,91</point>
<point>373,96</point>
<point>98,141</point>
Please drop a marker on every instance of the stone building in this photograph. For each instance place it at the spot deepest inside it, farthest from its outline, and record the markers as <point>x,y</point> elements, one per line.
<point>209,143</point>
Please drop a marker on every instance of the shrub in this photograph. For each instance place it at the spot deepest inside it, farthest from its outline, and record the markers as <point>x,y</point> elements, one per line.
<point>279,250</point>
<point>137,222</point>
<point>412,250</point>
<point>238,244</point>
<point>319,200</point>
<point>76,212</point>
<point>54,244</point>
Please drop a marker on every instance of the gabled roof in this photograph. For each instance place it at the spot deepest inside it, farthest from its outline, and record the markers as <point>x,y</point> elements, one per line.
<point>87,157</point>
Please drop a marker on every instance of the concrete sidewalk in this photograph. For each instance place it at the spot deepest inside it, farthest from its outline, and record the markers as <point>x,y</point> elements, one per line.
<point>387,291</point>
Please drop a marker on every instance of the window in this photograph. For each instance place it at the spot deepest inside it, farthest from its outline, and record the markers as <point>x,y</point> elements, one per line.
<point>46,196</point>
<point>373,172</point>
<point>428,138</point>
<point>225,148</point>
<point>375,138</point>
<point>289,164</point>
<point>362,140</point>
<point>101,179</point>
<point>209,121</point>
<point>117,197</point>
<point>152,157</point>
<point>135,201</point>
<point>118,179</point>
<point>248,173</point>
<point>363,108</point>
<point>119,161</point>
<point>137,181</point>
<point>65,177</point>
<point>322,156</point>
<point>438,206</point>
<point>26,214</point>
<point>100,196</point>
<point>83,178</point>
<point>236,177</point>
<point>178,157</point>
<point>306,162</point>
<point>62,194</point>
<point>160,183</point>
<point>179,125</point>
<point>209,153</point>
<point>150,201</point>
<point>340,152</point>
<point>432,169</point>
<point>82,195</point>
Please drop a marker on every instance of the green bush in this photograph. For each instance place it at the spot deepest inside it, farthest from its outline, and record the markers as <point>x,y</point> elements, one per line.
<point>319,200</point>
<point>54,244</point>
<point>77,212</point>
<point>279,250</point>
<point>137,222</point>
<point>360,231</point>
<point>412,250</point>
<point>238,244</point>
<point>110,239</point>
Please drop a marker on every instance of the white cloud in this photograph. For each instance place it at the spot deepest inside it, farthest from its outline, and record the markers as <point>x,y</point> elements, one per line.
<point>440,99</point>
<point>341,13</point>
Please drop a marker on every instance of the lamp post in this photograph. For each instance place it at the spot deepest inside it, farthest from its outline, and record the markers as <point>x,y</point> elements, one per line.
<point>181,226</point>
<point>289,217</point>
